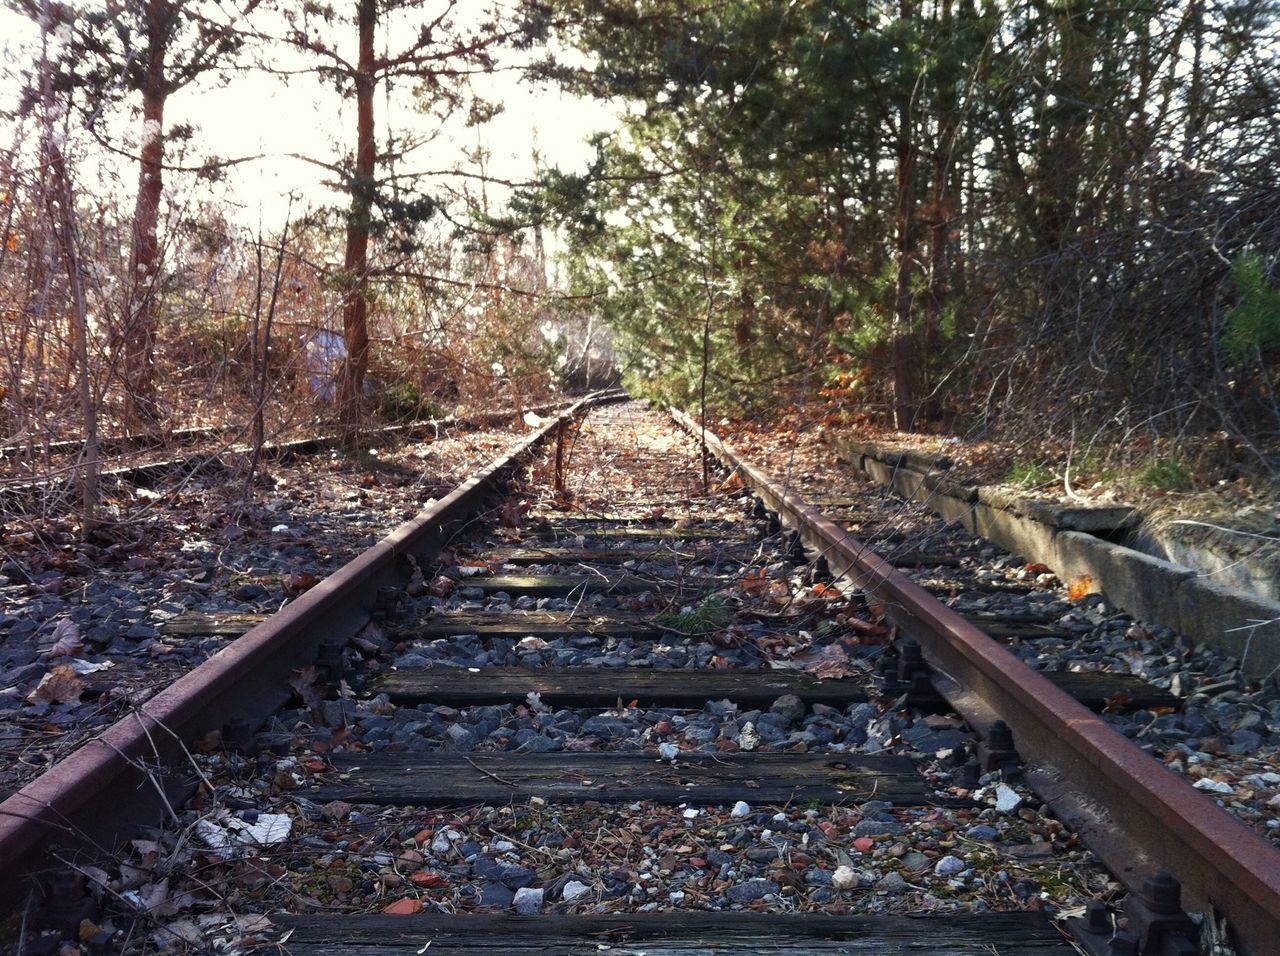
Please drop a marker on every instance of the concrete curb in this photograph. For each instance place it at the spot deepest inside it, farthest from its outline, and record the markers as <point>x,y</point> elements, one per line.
<point>1246,626</point>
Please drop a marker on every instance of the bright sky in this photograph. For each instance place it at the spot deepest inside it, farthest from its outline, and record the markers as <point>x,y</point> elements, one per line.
<point>258,114</point>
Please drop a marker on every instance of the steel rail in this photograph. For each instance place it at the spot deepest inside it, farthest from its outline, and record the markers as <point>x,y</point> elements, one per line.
<point>99,792</point>
<point>1131,811</point>
<point>18,488</point>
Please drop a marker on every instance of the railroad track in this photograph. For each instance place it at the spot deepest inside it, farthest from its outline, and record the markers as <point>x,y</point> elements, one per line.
<point>648,716</point>
<point>145,459</point>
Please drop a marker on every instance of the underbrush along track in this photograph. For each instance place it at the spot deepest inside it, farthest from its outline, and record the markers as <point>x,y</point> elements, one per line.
<point>645,712</point>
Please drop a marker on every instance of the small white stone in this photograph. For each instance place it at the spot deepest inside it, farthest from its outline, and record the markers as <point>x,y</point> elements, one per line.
<point>844,878</point>
<point>949,866</point>
<point>691,814</point>
<point>668,751</point>
<point>573,890</point>
<point>1007,799</point>
<point>440,843</point>
<point>740,809</point>
<point>1204,783</point>
<point>528,900</point>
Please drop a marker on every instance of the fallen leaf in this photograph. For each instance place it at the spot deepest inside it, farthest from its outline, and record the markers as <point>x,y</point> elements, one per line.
<point>60,686</point>
<point>267,829</point>
<point>512,513</point>
<point>1079,587</point>
<point>297,583</point>
<point>67,641</point>
<point>427,878</point>
<point>733,483</point>
<point>442,587</point>
<point>304,681</point>
<point>405,907</point>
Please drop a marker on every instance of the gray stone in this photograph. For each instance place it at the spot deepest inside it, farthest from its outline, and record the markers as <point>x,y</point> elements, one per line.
<point>497,895</point>
<point>573,891</point>
<point>606,727</point>
<point>949,866</point>
<point>870,828</point>
<point>789,707</point>
<point>751,890</point>
<point>528,900</point>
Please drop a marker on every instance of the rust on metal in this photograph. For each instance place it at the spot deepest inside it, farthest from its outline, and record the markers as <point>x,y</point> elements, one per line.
<point>1135,814</point>
<point>108,785</point>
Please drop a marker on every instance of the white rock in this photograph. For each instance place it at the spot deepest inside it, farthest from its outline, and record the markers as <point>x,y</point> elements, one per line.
<point>740,809</point>
<point>691,814</point>
<point>528,900</point>
<point>844,878</point>
<point>1007,799</point>
<point>668,751</point>
<point>573,890</point>
<point>949,866</point>
<point>1204,783</point>
<point>440,843</point>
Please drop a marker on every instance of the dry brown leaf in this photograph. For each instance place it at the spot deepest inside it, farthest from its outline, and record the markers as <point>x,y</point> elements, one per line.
<point>297,583</point>
<point>67,641</point>
<point>304,681</point>
<point>1080,587</point>
<point>733,483</point>
<point>60,686</point>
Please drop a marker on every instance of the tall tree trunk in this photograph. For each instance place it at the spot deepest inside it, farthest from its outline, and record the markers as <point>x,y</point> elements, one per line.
<point>144,258</point>
<point>942,207</point>
<point>355,307</point>
<point>903,348</point>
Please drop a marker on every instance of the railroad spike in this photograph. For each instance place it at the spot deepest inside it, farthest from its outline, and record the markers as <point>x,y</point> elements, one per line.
<point>796,550</point>
<point>1093,932</point>
<point>1156,917</point>
<point>329,659</point>
<point>821,573</point>
<point>67,904</point>
<point>997,751</point>
<point>384,603</point>
<point>237,734</point>
<point>913,671</point>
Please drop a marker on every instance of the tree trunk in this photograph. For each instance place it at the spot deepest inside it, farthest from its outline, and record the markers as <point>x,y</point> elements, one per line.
<point>355,307</point>
<point>904,354</point>
<point>144,259</point>
<point>942,209</point>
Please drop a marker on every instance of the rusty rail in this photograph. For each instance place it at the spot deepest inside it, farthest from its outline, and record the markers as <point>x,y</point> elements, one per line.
<point>105,788</point>
<point>1131,811</point>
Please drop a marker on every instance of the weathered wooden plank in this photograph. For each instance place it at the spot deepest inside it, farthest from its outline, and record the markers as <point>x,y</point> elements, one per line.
<point>555,554</point>
<point>1101,690</point>
<point>675,934</point>
<point>223,624</point>
<point>931,559</point>
<point>1005,630</point>
<point>451,779</point>
<point>585,687</point>
<point>562,585</point>
<point>636,531</point>
<point>538,623</point>
<point>756,687</point>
